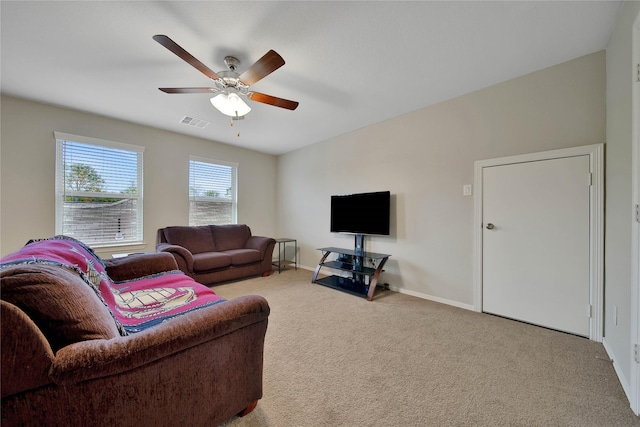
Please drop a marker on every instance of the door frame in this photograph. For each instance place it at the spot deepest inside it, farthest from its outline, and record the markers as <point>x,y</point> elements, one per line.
<point>635,225</point>
<point>596,224</point>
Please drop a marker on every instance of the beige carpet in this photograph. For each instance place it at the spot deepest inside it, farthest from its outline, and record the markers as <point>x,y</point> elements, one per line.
<point>332,359</point>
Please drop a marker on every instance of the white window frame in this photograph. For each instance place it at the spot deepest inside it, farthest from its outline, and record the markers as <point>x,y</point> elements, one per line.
<point>61,192</point>
<point>234,184</point>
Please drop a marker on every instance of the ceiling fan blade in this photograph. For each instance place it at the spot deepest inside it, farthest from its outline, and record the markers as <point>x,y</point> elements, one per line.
<point>272,100</point>
<point>188,89</point>
<point>185,56</point>
<point>264,66</point>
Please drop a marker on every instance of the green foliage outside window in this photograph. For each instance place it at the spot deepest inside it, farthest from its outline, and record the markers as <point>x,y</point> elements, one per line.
<point>81,177</point>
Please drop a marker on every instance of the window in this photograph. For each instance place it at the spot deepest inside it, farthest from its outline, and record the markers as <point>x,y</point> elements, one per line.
<point>212,192</point>
<point>98,190</point>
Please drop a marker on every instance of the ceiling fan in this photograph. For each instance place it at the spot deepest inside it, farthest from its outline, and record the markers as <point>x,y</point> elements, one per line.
<point>231,87</point>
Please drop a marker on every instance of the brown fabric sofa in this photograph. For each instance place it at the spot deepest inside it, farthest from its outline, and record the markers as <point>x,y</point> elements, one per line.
<point>217,253</point>
<point>65,363</point>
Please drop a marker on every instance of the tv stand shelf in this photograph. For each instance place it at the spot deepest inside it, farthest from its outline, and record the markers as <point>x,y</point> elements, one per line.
<point>362,281</point>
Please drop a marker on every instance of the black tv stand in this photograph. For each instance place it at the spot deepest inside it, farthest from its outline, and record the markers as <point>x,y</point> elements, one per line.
<point>362,281</point>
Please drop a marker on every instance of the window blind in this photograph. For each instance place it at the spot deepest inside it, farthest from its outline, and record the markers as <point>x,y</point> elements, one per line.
<point>98,190</point>
<point>212,192</point>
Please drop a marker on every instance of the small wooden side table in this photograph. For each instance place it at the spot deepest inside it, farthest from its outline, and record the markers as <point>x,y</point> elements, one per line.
<point>282,261</point>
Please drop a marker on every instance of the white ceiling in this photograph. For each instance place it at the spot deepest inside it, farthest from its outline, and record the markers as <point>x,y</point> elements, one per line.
<point>349,64</point>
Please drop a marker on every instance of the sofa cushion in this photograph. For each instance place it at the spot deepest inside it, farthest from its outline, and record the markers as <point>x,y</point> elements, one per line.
<point>57,299</point>
<point>196,239</point>
<point>210,261</point>
<point>244,256</point>
<point>150,300</point>
<point>232,236</point>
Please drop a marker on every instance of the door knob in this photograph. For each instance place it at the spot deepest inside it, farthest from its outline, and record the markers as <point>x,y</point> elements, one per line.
<point>490,226</point>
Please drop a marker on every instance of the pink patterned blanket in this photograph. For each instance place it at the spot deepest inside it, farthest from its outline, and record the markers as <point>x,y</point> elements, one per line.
<point>135,305</point>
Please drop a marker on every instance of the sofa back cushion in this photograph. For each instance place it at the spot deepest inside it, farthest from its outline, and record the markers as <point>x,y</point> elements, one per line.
<point>59,302</point>
<point>196,239</point>
<point>232,236</point>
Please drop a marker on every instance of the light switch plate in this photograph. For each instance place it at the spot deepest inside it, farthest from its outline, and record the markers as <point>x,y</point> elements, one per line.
<point>466,190</point>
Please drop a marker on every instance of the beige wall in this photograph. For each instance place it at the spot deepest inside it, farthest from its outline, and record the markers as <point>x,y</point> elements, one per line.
<point>27,172</point>
<point>424,158</point>
<point>618,193</point>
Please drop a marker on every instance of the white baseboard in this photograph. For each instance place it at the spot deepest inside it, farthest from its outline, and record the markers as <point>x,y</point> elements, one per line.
<point>616,366</point>
<point>432,298</point>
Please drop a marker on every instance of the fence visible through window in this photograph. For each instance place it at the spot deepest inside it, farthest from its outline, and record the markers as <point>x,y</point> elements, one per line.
<point>212,192</point>
<point>98,190</point>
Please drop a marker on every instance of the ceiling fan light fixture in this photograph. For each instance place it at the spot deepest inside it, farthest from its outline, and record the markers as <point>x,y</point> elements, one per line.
<point>230,103</point>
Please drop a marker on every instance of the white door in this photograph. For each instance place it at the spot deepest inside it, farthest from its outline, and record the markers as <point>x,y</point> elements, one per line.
<point>536,242</point>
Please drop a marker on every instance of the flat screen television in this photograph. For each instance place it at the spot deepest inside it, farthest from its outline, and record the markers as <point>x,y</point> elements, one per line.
<point>363,213</point>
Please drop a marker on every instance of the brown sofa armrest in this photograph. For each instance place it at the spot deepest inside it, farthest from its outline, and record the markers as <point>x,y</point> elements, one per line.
<point>261,244</point>
<point>182,255</point>
<point>139,265</point>
<point>26,353</point>
<point>102,358</point>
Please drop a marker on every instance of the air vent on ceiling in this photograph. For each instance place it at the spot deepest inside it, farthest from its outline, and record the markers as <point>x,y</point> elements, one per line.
<point>198,123</point>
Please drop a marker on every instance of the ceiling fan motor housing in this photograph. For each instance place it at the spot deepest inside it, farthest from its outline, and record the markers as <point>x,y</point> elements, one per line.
<point>231,79</point>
